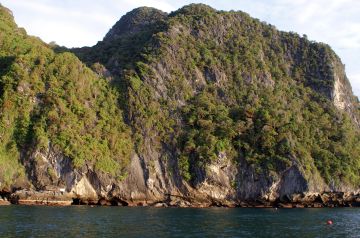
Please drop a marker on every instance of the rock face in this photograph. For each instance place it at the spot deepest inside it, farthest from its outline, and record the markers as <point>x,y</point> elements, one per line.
<point>342,94</point>
<point>149,185</point>
<point>223,111</point>
<point>159,190</point>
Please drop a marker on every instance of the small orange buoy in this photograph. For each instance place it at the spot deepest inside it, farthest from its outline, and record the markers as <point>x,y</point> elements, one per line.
<point>329,222</point>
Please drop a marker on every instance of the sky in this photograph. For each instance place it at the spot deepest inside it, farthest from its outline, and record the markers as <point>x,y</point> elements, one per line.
<point>75,23</point>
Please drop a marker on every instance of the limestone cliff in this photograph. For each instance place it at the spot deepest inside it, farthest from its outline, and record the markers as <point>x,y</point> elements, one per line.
<point>193,108</point>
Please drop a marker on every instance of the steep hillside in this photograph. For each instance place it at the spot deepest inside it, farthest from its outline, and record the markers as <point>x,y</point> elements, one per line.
<point>52,103</point>
<point>214,108</point>
<point>211,87</point>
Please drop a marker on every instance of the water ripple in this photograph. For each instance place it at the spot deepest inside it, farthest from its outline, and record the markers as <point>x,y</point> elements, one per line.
<point>83,221</point>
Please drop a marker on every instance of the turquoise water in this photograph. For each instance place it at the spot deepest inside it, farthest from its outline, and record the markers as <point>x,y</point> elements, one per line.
<point>83,221</point>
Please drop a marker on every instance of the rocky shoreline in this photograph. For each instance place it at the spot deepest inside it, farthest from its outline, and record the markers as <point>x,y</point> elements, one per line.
<point>311,200</point>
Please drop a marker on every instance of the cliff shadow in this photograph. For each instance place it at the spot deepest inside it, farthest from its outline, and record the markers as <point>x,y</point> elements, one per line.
<point>5,65</point>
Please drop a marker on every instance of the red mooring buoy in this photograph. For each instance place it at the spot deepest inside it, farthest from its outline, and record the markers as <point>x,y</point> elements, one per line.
<point>329,222</point>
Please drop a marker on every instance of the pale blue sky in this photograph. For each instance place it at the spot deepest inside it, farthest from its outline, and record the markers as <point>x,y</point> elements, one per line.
<point>84,22</point>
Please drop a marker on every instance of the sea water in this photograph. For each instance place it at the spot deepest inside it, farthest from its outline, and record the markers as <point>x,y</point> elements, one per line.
<point>86,221</point>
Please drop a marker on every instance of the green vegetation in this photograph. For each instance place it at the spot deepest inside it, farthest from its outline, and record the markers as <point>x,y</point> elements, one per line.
<point>210,84</point>
<point>54,100</point>
<point>199,84</point>
<point>208,130</point>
